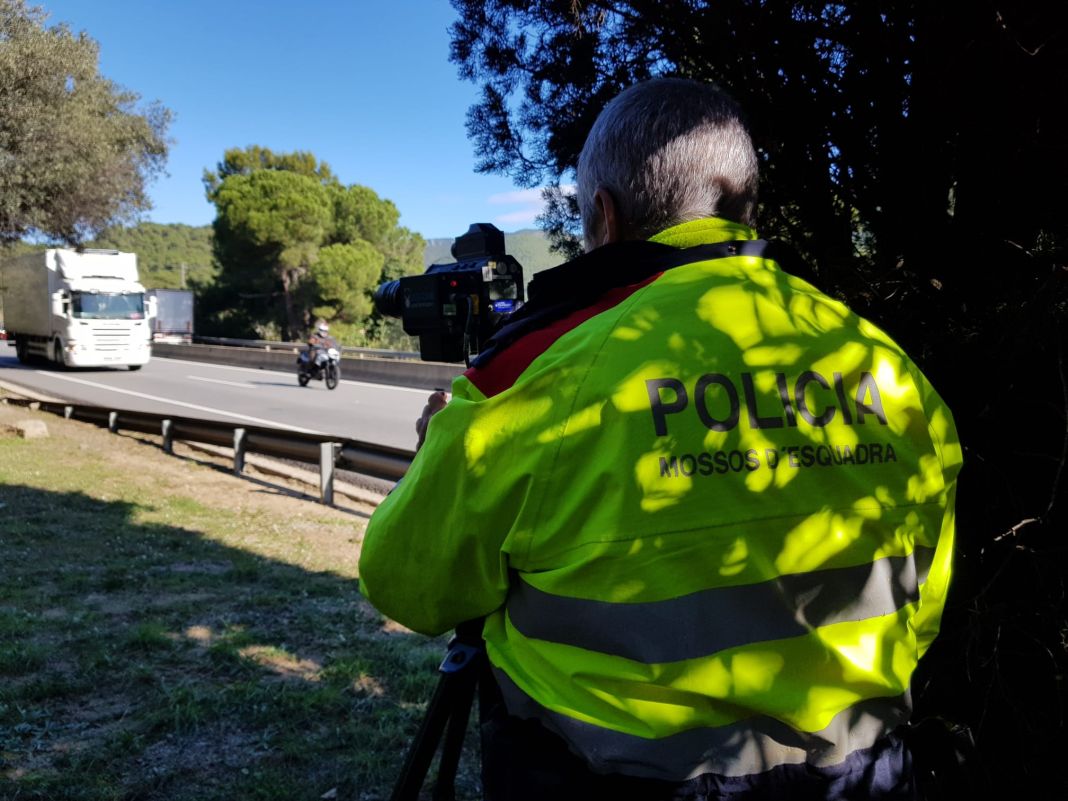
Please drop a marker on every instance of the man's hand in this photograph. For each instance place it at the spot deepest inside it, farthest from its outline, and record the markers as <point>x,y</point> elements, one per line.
<point>434,404</point>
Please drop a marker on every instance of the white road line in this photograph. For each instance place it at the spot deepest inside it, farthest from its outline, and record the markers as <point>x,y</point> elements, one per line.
<point>29,392</point>
<point>235,415</point>
<point>371,385</point>
<point>194,363</point>
<point>241,384</point>
<point>344,381</point>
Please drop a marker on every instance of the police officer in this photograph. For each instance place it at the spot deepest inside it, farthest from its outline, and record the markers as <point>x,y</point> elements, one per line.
<point>705,510</point>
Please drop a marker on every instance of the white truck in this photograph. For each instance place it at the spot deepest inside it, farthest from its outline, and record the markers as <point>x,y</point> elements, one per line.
<point>79,308</point>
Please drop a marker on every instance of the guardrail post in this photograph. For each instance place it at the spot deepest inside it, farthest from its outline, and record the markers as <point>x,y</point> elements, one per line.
<point>167,429</point>
<point>68,412</point>
<point>328,452</point>
<point>240,440</point>
<point>113,422</point>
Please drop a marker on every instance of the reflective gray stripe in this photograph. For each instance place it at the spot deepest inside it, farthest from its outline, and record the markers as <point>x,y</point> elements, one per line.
<point>705,622</point>
<point>739,749</point>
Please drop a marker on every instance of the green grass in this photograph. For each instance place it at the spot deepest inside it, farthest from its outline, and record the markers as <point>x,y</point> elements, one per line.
<point>159,640</point>
<point>13,623</point>
<point>20,657</point>
<point>148,637</point>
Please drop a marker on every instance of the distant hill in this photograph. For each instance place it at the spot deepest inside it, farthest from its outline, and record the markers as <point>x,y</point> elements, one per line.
<point>530,247</point>
<point>165,252</point>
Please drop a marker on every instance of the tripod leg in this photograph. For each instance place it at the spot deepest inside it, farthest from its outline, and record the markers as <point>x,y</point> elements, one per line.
<point>451,701</point>
<point>445,787</point>
<point>421,752</point>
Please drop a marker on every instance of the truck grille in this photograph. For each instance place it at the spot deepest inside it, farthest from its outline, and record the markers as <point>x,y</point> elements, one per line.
<point>111,339</point>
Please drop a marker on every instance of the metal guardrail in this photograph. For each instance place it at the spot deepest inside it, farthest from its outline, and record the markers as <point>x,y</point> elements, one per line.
<point>377,461</point>
<point>265,344</point>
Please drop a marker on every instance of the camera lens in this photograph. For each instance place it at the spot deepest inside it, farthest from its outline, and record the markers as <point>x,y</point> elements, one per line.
<point>387,299</point>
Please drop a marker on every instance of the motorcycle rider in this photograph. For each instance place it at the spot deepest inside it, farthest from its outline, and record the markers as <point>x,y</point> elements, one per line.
<point>318,342</point>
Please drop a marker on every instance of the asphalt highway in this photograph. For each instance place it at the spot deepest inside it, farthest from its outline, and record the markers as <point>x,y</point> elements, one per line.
<point>373,413</point>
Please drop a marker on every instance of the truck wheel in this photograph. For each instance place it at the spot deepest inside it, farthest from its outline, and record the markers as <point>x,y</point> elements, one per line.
<point>20,351</point>
<point>134,367</point>
<point>57,354</point>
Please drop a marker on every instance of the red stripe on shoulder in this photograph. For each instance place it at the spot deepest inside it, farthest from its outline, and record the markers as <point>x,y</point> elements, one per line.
<point>504,370</point>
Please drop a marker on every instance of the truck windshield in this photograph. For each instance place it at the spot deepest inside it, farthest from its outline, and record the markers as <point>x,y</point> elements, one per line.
<point>108,305</point>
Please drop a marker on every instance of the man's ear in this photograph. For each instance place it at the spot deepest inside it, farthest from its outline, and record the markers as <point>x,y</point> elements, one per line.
<point>608,228</point>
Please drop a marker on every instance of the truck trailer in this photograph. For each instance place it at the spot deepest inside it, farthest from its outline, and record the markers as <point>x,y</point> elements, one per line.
<point>78,308</point>
<point>173,322</point>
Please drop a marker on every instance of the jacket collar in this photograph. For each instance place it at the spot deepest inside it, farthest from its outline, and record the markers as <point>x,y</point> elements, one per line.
<point>623,263</point>
<point>555,293</point>
<point>706,231</point>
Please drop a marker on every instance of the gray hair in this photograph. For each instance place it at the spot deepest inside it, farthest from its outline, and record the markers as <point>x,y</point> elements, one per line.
<point>668,150</point>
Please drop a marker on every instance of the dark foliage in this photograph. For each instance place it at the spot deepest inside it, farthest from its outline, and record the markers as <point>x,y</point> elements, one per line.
<point>76,150</point>
<point>294,245</point>
<point>917,154</point>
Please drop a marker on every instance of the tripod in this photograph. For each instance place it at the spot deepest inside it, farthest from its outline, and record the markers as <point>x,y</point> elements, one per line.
<point>447,714</point>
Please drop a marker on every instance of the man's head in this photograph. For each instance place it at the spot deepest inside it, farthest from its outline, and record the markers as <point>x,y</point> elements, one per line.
<point>663,152</point>
<point>322,329</point>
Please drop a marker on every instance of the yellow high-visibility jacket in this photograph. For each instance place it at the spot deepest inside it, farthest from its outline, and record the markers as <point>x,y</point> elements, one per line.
<point>707,515</point>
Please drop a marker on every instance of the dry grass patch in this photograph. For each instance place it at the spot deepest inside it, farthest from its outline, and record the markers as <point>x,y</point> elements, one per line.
<point>170,631</point>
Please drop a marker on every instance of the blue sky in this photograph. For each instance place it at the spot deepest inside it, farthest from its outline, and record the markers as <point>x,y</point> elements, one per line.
<point>365,86</point>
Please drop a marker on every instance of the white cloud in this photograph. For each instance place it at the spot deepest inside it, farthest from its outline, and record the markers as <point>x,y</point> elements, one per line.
<point>530,205</point>
<point>524,196</point>
<point>525,217</point>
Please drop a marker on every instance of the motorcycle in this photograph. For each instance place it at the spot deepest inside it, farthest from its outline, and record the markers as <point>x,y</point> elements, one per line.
<point>324,364</point>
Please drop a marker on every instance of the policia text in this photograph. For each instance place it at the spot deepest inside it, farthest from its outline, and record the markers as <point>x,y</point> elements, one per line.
<point>718,404</point>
